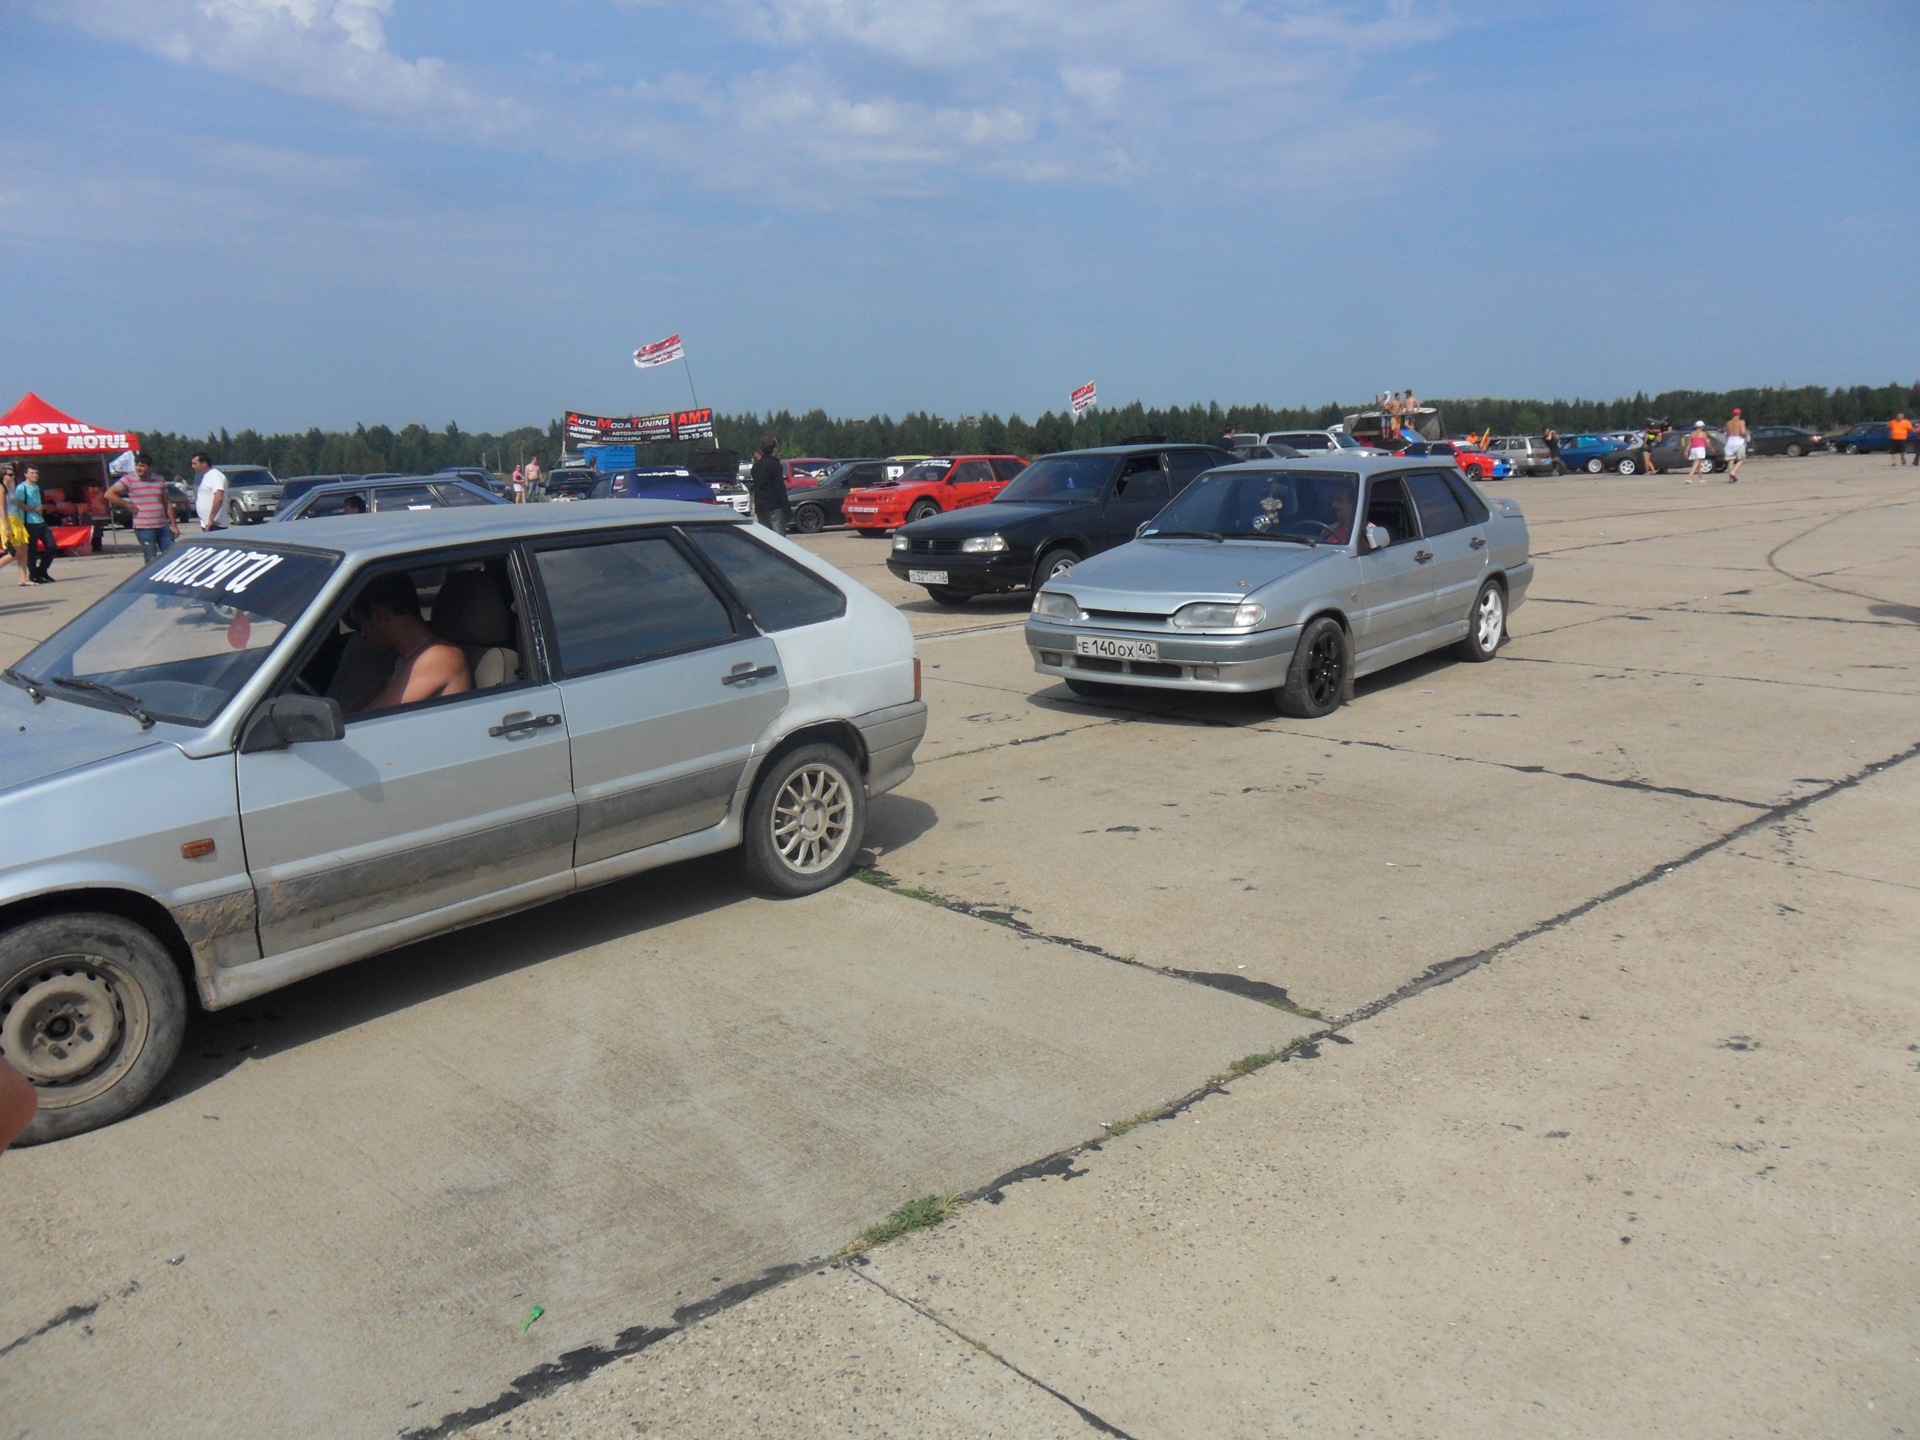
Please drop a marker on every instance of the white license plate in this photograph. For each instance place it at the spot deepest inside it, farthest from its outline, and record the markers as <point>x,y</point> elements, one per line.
<point>927,577</point>
<point>1115,649</point>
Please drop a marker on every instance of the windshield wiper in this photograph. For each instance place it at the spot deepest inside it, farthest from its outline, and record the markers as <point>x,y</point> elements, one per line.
<point>25,682</point>
<point>1183,535</point>
<point>1269,535</point>
<point>129,703</point>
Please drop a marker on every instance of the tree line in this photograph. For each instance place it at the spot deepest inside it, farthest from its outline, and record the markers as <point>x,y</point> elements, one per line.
<point>415,449</point>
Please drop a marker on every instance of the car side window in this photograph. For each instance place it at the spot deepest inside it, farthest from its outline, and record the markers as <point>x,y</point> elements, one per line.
<point>336,504</point>
<point>1389,508</point>
<point>1007,469</point>
<point>866,475</point>
<point>625,601</point>
<point>404,497</point>
<point>1440,510</point>
<point>458,495</point>
<point>1476,508</point>
<point>1185,464</point>
<point>1141,480</point>
<point>779,594</point>
<point>970,472</point>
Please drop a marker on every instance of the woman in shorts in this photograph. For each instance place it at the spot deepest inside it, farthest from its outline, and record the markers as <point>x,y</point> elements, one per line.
<point>1697,453</point>
<point>13,525</point>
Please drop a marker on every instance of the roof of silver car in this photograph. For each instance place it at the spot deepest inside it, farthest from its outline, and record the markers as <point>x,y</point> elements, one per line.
<point>1339,460</point>
<point>399,531</point>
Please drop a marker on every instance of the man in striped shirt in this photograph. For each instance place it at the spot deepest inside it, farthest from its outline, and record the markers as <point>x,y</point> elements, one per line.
<point>145,493</point>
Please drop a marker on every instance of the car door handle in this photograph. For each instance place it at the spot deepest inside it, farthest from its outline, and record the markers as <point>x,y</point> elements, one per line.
<point>1479,542</point>
<point>521,722</point>
<point>747,672</point>
<point>1420,557</point>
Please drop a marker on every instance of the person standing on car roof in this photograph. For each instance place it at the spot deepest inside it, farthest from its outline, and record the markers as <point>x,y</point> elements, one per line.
<point>1736,445</point>
<point>769,481</point>
<point>1900,439</point>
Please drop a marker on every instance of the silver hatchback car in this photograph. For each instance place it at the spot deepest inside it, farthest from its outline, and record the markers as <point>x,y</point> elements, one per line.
<point>262,758</point>
<point>1293,578</point>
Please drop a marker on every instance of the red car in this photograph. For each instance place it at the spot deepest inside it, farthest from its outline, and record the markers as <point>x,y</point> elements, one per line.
<point>1464,453</point>
<point>947,482</point>
<point>806,471</point>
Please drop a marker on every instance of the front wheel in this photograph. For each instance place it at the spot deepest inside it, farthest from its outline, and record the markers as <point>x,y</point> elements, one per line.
<point>1628,467</point>
<point>923,510</point>
<point>92,1012</point>
<point>1795,451</point>
<point>1596,466</point>
<point>809,520</point>
<point>1053,564</point>
<point>1486,623</point>
<point>805,822</point>
<point>1317,678</point>
<point>1850,450</point>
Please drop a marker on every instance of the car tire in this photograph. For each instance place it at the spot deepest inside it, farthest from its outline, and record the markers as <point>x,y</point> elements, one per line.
<point>92,1012</point>
<point>1850,450</point>
<point>1796,451</point>
<point>809,520</point>
<point>805,823</point>
<point>947,595</point>
<point>1596,466</point>
<point>1486,624</point>
<point>1093,689</point>
<point>922,510</point>
<point>1628,466</point>
<point>1321,670</point>
<point>1057,561</point>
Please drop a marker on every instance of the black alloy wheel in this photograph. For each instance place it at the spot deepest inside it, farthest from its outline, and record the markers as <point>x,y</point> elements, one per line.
<point>809,520</point>
<point>1317,678</point>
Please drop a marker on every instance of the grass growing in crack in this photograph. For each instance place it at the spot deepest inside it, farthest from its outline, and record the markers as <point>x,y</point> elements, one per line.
<point>914,1215</point>
<point>1120,1127</point>
<point>887,882</point>
<point>1247,1064</point>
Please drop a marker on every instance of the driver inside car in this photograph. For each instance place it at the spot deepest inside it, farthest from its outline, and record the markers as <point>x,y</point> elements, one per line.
<point>387,615</point>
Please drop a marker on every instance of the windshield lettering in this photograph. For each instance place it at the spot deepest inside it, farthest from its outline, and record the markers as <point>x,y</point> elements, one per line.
<point>229,570</point>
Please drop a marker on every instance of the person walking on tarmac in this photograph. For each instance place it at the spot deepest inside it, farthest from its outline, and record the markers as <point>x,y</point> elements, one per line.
<point>1900,439</point>
<point>769,484</point>
<point>1736,446</point>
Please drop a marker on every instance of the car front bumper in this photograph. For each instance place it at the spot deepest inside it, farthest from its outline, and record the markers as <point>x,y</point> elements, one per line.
<point>251,509</point>
<point>975,574</point>
<point>873,517</point>
<point>1213,664</point>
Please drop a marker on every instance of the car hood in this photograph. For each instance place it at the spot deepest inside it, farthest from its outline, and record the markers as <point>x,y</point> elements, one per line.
<point>985,519</point>
<point>55,736</point>
<point>1157,577</point>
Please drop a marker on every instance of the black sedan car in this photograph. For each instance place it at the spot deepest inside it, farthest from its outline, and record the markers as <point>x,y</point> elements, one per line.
<point>1057,512</point>
<point>1786,440</point>
<point>814,507</point>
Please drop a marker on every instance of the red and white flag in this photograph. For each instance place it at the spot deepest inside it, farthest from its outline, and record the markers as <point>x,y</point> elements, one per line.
<point>661,352</point>
<point>1084,399</point>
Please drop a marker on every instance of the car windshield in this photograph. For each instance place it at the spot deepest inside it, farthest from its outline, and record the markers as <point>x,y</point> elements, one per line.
<point>1306,506</point>
<point>1078,479</point>
<point>925,472</point>
<point>1345,441</point>
<point>180,639</point>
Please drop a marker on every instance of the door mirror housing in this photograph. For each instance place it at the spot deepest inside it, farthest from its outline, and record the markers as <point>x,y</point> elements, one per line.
<point>1377,538</point>
<point>293,720</point>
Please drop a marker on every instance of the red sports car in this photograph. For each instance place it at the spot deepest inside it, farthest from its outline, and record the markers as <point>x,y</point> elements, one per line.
<point>1467,454</point>
<point>947,482</point>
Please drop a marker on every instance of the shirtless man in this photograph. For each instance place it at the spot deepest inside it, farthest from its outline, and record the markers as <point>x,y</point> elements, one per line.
<point>1736,446</point>
<point>387,613</point>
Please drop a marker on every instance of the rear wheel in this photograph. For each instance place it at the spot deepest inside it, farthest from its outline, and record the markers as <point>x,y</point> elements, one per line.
<point>1796,450</point>
<point>1628,466</point>
<point>1053,564</point>
<point>1596,465</point>
<point>1850,450</point>
<point>1486,623</point>
<point>809,520</point>
<point>1317,678</point>
<point>923,510</point>
<point>92,1011</point>
<point>805,822</point>
<point>947,595</point>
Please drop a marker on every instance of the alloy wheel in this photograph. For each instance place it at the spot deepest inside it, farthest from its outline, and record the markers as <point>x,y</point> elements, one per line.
<point>1326,668</point>
<point>1490,618</point>
<point>812,818</point>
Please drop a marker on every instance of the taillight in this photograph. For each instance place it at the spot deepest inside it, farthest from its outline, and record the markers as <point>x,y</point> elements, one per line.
<point>916,677</point>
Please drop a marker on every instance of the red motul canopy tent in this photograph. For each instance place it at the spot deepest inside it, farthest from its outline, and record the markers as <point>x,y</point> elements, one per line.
<point>33,427</point>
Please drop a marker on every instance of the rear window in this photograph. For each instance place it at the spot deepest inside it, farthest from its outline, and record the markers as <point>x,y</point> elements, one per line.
<point>780,594</point>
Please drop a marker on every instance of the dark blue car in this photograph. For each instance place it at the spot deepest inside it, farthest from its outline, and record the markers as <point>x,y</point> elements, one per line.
<point>1870,437</point>
<point>1588,452</point>
<point>653,482</point>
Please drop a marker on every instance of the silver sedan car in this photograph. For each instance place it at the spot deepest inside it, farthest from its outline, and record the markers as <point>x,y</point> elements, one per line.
<point>1291,578</point>
<point>265,756</point>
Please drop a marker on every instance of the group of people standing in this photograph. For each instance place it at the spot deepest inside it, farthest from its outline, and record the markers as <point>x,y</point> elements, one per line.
<point>28,537</point>
<point>526,480</point>
<point>1399,407</point>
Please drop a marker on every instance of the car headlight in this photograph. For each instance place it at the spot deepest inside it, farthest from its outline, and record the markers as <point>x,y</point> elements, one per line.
<point>901,542</point>
<point>1056,605</point>
<point>984,545</point>
<point>1207,615</point>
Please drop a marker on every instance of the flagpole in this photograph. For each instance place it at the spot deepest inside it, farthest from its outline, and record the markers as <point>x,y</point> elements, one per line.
<point>693,392</point>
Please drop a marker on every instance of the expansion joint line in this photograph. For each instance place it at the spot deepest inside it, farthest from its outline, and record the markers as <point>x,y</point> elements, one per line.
<point>1104,1427</point>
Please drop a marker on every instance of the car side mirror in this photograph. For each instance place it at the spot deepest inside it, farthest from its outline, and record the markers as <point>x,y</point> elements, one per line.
<point>293,720</point>
<point>1141,528</point>
<point>1377,538</point>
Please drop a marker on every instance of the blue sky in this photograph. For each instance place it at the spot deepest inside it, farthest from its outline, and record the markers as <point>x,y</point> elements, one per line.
<point>289,212</point>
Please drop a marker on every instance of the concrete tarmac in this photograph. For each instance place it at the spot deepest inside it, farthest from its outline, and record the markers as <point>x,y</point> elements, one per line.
<point>1609,1125</point>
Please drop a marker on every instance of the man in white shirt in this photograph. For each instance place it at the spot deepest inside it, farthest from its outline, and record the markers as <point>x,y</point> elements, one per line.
<point>210,499</point>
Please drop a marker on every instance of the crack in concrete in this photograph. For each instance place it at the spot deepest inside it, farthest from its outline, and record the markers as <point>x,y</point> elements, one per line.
<point>1708,675</point>
<point>1095,1422</point>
